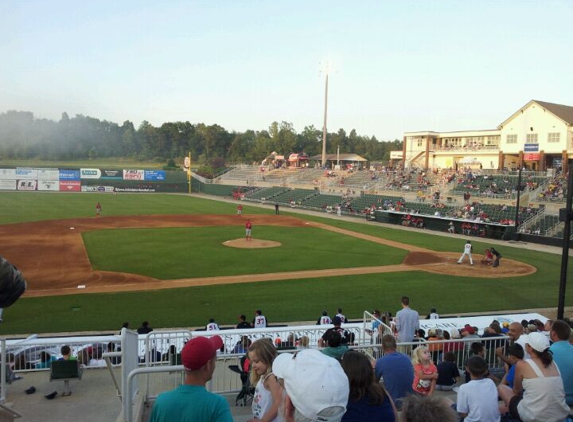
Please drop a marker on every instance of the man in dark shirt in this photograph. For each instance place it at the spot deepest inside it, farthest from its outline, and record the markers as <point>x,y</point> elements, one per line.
<point>243,322</point>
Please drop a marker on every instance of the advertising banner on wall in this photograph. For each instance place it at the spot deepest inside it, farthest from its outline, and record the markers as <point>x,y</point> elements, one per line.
<point>48,174</point>
<point>90,173</point>
<point>69,175</point>
<point>27,184</point>
<point>26,173</point>
<point>70,186</point>
<point>8,174</point>
<point>133,175</point>
<point>49,185</point>
<point>112,174</point>
<point>7,184</point>
<point>155,175</point>
<point>101,189</point>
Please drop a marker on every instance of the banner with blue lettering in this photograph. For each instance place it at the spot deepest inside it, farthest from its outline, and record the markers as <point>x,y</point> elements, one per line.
<point>155,175</point>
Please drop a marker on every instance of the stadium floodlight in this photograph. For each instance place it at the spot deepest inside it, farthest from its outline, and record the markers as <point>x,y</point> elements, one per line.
<point>325,67</point>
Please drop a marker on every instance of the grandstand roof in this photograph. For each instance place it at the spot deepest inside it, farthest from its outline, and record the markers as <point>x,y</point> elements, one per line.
<point>560,111</point>
<point>342,157</point>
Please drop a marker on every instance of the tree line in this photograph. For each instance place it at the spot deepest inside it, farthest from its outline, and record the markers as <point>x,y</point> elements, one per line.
<point>23,136</point>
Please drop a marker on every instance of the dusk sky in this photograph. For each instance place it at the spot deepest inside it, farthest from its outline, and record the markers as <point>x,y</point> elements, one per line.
<point>396,65</point>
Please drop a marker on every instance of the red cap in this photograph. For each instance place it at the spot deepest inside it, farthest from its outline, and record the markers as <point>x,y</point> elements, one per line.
<point>469,329</point>
<point>199,350</point>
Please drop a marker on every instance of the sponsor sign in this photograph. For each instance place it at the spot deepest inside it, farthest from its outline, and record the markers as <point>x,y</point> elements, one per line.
<point>70,186</point>
<point>26,173</point>
<point>112,174</point>
<point>155,175</point>
<point>102,189</point>
<point>134,190</point>
<point>27,184</point>
<point>69,175</point>
<point>133,175</point>
<point>48,174</point>
<point>531,148</point>
<point>8,174</point>
<point>531,157</point>
<point>396,155</point>
<point>49,185</point>
<point>7,184</point>
<point>90,173</point>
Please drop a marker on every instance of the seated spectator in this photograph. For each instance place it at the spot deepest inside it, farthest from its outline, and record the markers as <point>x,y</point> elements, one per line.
<point>477,400</point>
<point>448,373</point>
<point>435,335</point>
<point>303,342</point>
<point>346,336</point>
<point>335,347</point>
<point>515,351</point>
<point>315,386</point>
<point>538,393</point>
<point>66,352</point>
<point>242,345</point>
<point>367,399</point>
<point>145,328</point>
<point>562,352</point>
<point>46,360</point>
<point>425,409</point>
<point>243,322</point>
<point>396,371</point>
<point>97,358</point>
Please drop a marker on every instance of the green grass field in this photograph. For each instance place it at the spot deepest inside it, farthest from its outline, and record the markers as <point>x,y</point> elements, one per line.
<point>174,253</point>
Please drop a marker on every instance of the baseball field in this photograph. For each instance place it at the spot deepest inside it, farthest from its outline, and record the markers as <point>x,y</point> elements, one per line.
<point>178,260</point>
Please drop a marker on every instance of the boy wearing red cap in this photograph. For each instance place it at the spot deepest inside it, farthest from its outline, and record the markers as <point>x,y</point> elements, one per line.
<point>191,401</point>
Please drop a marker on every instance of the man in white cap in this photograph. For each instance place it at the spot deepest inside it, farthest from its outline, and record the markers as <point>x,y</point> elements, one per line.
<point>191,401</point>
<point>316,386</point>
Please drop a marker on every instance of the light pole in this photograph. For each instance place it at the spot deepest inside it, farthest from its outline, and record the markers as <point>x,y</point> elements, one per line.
<point>325,70</point>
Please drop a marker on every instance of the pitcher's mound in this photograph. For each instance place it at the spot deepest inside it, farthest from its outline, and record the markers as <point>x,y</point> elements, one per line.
<point>251,244</point>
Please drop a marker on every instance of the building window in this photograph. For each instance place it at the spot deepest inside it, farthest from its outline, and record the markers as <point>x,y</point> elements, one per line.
<point>531,138</point>
<point>512,139</point>
<point>420,142</point>
<point>553,137</point>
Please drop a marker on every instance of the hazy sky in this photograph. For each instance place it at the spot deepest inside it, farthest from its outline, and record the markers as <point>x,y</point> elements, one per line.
<point>397,65</point>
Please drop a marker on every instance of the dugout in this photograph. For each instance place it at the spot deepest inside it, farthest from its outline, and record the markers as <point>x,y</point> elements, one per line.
<point>486,230</point>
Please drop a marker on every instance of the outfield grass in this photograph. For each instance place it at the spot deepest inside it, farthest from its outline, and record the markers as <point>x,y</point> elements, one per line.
<point>281,301</point>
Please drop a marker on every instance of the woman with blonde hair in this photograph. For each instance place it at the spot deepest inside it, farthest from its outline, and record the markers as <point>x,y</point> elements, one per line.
<point>268,391</point>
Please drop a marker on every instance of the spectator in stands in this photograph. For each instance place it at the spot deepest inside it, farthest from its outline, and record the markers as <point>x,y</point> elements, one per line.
<point>395,369</point>
<point>424,409</point>
<point>46,360</point>
<point>66,352</point>
<point>212,325</point>
<point>242,345</point>
<point>191,401</point>
<point>324,319</point>
<point>315,386</point>
<point>303,343</point>
<point>407,321</point>
<point>268,391</point>
<point>469,332</point>
<point>243,322</point>
<point>340,315</point>
<point>97,357</point>
<point>515,336</point>
<point>562,352</point>
<point>145,328</point>
<point>435,336</point>
<point>448,373</point>
<point>538,393</point>
<point>433,314</point>
<point>516,351</point>
<point>425,372</point>
<point>335,347</point>
<point>260,321</point>
<point>346,336</point>
<point>367,399</point>
<point>477,400</point>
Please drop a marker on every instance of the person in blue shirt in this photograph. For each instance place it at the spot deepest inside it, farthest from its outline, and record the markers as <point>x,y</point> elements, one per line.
<point>563,355</point>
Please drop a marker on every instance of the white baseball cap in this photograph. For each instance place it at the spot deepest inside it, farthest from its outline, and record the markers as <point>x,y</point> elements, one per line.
<point>314,382</point>
<point>537,341</point>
